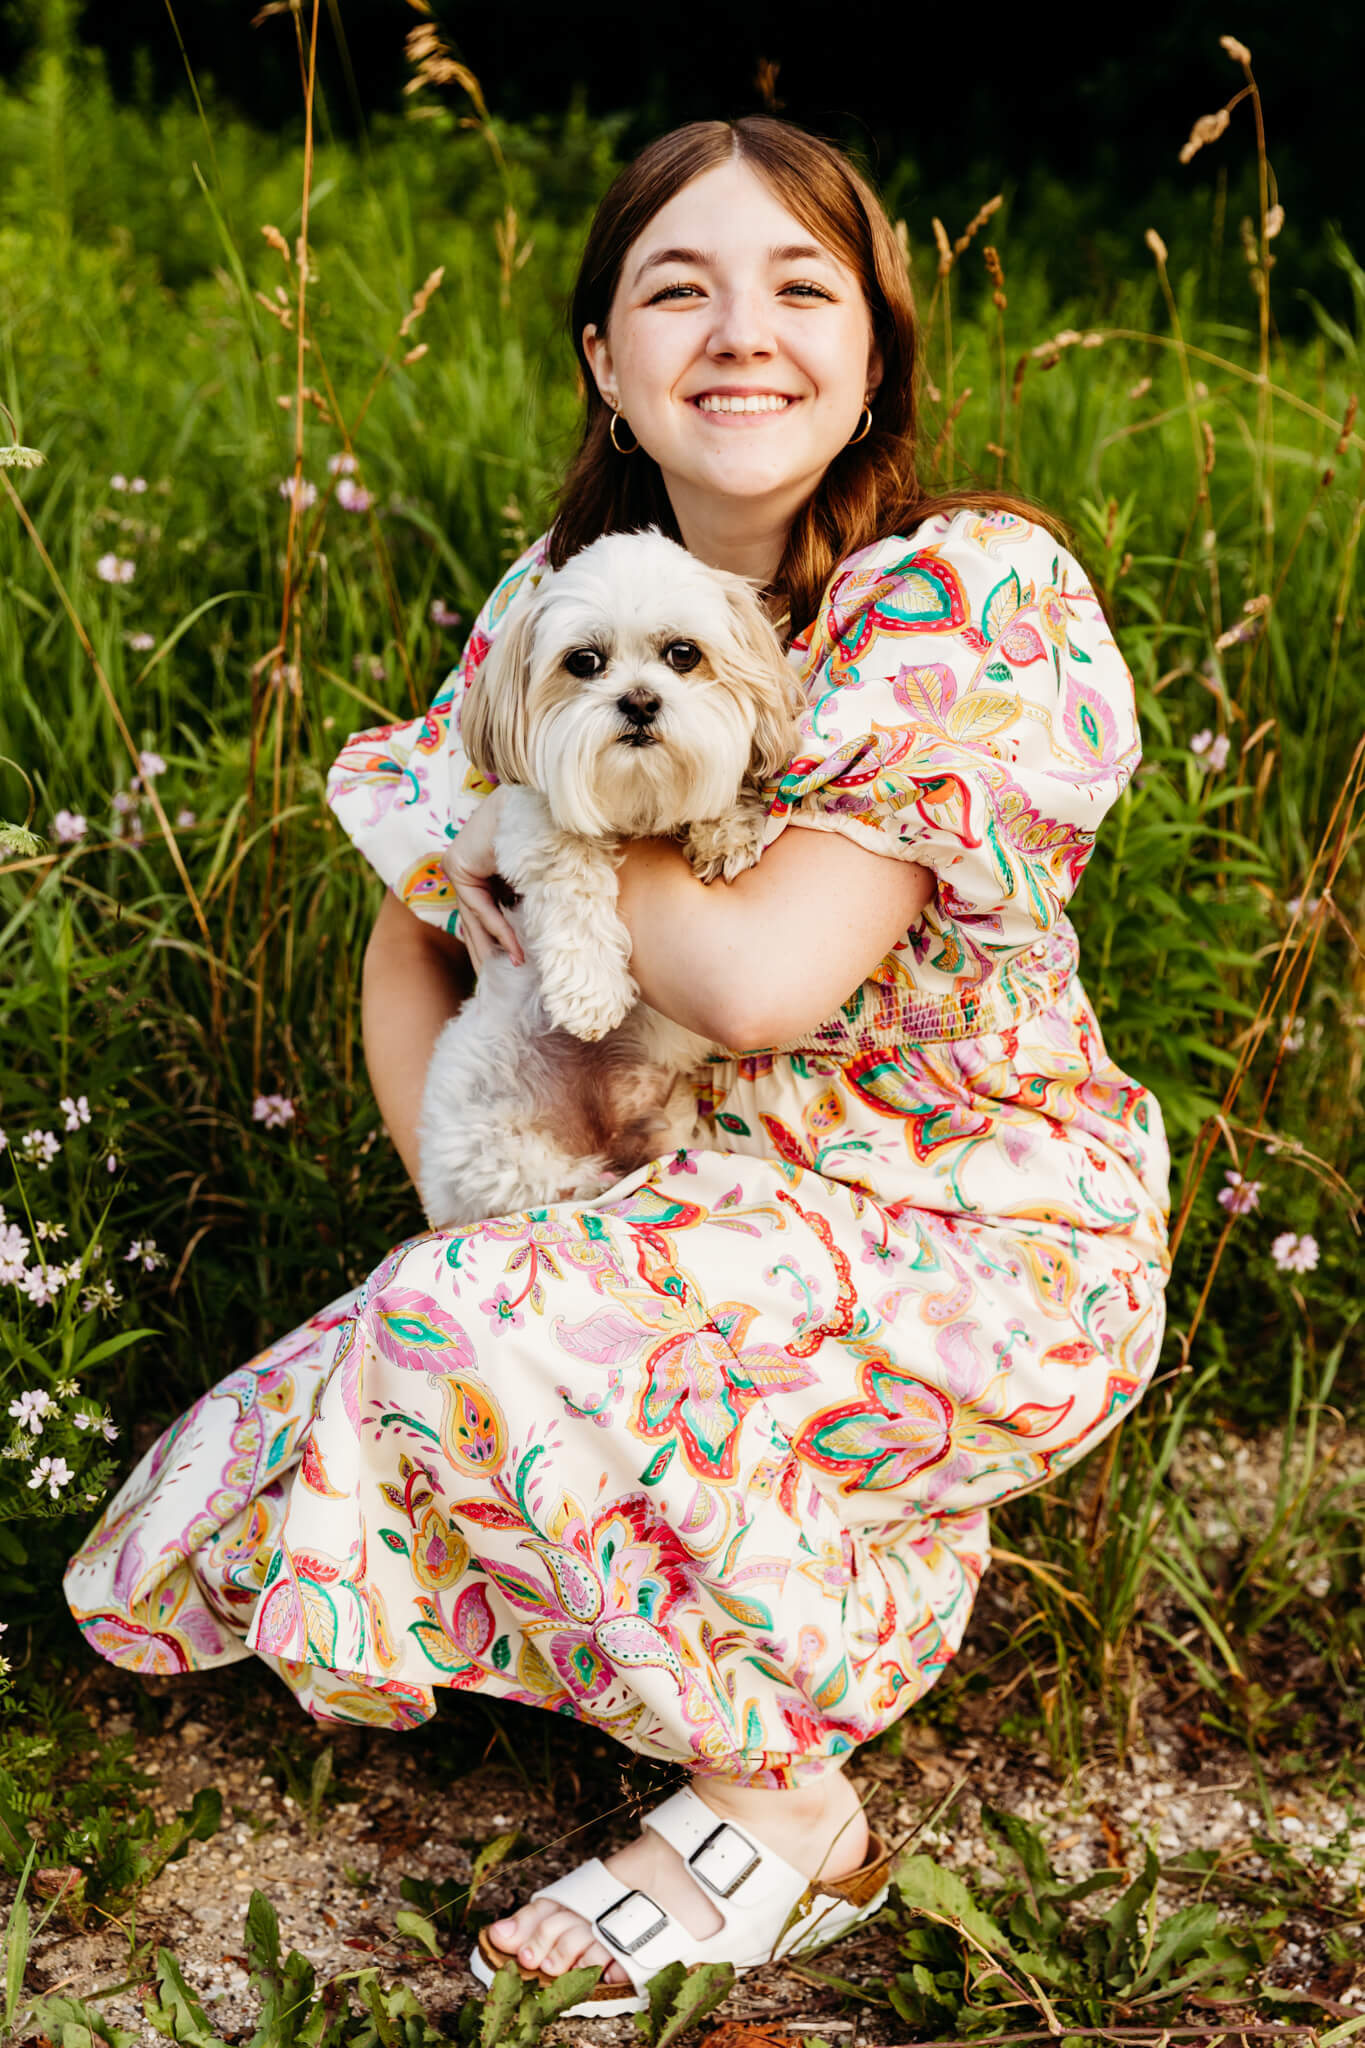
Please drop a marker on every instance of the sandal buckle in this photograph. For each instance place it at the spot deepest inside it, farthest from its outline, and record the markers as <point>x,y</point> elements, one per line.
<point>636,1928</point>
<point>732,1857</point>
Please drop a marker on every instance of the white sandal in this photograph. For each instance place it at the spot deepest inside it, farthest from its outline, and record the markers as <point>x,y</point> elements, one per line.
<point>768,1909</point>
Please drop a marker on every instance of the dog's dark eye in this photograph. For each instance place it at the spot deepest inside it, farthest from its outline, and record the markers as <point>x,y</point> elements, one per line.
<point>584,662</point>
<point>682,655</point>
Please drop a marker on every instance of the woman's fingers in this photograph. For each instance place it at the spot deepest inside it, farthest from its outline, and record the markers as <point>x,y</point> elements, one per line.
<point>483,926</point>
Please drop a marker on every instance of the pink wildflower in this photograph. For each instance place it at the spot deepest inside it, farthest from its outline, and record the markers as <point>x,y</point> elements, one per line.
<point>300,490</point>
<point>30,1408</point>
<point>184,820</point>
<point>341,465</point>
<point>13,1254</point>
<point>150,765</point>
<point>141,643</point>
<point>76,1111</point>
<point>1295,1254</point>
<point>1240,1196</point>
<point>440,614</point>
<point>118,483</point>
<point>1214,752</point>
<point>353,497</point>
<point>68,827</point>
<point>274,1111</point>
<point>54,1473</point>
<point>113,568</point>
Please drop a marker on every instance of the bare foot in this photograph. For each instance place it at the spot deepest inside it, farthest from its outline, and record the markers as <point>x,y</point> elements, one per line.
<point>801,1826</point>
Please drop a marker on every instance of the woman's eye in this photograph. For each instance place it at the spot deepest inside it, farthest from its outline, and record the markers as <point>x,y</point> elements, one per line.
<point>584,662</point>
<point>682,655</point>
<point>815,291</point>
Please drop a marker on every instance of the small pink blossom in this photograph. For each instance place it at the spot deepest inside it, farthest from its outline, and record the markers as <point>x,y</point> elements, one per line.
<point>875,1253</point>
<point>184,820</point>
<point>341,465</point>
<point>1240,1196</point>
<point>150,765</point>
<point>144,1251</point>
<point>118,483</point>
<point>14,1247</point>
<point>124,801</point>
<point>300,490</point>
<point>353,497</point>
<point>1214,752</point>
<point>30,1408</point>
<point>274,1111</point>
<point>113,568</point>
<point>138,484</point>
<point>1295,1254</point>
<point>141,643</point>
<point>40,1148</point>
<point>99,1423</point>
<point>1295,904</point>
<point>54,1473</point>
<point>682,1162</point>
<point>111,1162</point>
<point>76,1110</point>
<point>440,614</point>
<point>68,827</point>
<point>502,1312</point>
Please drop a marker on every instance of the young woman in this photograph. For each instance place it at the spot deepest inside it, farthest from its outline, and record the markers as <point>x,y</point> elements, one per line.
<point>707,1462</point>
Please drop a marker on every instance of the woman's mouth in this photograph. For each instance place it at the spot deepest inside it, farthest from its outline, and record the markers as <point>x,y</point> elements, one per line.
<point>748,405</point>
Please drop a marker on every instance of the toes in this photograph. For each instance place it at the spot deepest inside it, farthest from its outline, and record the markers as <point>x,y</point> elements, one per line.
<point>558,1929</point>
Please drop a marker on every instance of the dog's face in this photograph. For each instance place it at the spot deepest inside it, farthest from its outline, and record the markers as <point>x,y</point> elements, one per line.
<point>636,689</point>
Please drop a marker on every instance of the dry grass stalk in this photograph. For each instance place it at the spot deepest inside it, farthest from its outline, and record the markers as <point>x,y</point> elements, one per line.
<point>995,272</point>
<point>1206,129</point>
<point>765,85</point>
<point>433,64</point>
<point>276,241</point>
<point>421,299</point>
<point>944,247</point>
<point>977,221</point>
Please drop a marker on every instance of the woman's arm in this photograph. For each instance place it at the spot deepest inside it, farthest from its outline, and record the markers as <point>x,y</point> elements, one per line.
<point>765,958</point>
<point>415,978</point>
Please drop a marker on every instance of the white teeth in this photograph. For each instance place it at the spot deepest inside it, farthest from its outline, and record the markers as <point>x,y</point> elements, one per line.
<point>767,402</point>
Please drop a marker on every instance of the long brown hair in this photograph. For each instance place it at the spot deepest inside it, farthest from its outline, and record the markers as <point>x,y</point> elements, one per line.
<point>871,490</point>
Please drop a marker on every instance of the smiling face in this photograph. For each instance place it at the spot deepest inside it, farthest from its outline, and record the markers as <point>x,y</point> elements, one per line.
<point>740,352</point>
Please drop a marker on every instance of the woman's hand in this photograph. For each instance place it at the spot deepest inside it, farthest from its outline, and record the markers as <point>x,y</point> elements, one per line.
<point>469,863</point>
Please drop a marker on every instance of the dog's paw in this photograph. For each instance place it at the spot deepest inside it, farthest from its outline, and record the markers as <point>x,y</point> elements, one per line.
<point>721,848</point>
<point>589,1010</point>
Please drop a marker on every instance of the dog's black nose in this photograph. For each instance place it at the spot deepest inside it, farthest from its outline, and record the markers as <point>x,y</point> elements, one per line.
<point>640,705</point>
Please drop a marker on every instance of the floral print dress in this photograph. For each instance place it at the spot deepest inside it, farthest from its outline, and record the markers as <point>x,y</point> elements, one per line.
<point>708,1461</point>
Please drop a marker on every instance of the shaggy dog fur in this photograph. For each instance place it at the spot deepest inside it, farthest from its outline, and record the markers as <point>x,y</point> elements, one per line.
<point>635,692</point>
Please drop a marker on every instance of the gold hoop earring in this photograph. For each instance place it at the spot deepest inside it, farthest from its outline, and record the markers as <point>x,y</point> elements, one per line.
<point>863,431</point>
<point>615,416</point>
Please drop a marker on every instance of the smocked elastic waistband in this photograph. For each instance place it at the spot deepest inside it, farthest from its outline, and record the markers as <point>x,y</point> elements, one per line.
<point>880,1017</point>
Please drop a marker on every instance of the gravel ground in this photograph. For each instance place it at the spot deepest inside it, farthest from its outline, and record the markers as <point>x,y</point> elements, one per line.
<point>422,1805</point>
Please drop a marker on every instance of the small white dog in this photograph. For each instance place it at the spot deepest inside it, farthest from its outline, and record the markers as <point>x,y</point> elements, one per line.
<point>635,692</point>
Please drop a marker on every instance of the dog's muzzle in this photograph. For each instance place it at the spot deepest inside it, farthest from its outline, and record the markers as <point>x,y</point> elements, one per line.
<point>639,707</point>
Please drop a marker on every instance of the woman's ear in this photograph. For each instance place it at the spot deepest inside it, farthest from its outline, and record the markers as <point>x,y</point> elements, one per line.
<point>597,349</point>
<point>493,721</point>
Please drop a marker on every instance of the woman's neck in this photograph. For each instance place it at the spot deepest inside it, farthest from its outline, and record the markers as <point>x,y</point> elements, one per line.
<point>748,540</point>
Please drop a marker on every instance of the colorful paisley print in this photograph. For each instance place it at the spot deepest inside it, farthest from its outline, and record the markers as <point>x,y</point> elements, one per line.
<point>707,1463</point>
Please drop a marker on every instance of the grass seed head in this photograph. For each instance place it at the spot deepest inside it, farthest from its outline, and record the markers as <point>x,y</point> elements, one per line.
<point>1238,52</point>
<point>1207,128</point>
<point>944,247</point>
<point>1156,245</point>
<point>276,241</point>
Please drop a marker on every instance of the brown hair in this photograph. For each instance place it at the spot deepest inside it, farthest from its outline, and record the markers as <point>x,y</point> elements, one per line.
<point>871,490</point>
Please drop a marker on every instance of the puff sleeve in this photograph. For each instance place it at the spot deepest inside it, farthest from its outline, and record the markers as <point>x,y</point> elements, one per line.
<point>967,708</point>
<point>402,792</point>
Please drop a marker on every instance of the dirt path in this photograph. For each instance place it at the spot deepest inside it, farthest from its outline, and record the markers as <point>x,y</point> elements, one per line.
<point>421,1806</point>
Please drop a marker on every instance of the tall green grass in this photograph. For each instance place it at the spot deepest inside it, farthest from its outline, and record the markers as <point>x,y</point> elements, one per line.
<point>148,329</point>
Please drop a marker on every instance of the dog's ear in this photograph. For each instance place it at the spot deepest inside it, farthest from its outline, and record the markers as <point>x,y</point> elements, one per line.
<point>493,725</point>
<point>758,665</point>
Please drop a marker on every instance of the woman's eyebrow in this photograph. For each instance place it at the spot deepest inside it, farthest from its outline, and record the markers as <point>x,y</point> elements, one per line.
<point>791,252</point>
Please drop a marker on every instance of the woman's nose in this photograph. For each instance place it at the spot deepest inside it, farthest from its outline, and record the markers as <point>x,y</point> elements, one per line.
<point>741,327</point>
